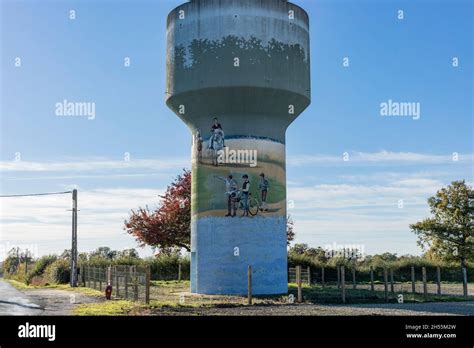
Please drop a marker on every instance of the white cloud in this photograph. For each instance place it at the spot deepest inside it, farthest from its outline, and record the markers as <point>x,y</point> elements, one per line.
<point>85,165</point>
<point>385,157</point>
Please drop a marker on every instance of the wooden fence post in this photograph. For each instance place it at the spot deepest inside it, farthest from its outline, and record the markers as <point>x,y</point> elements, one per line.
<point>322,276</point>
<point>126,281</point>
<point>338,277</point>
<point>117,283</point>
<point>100,278</point>
<point>413,288</point>
<point>464,281</point>
<point>438,280</point>
<point>371,278</point>
<point>385,279</point>
<point>94,271</point>
<point>343,284</point>
<point>249,284</point>
<point>309,276</point>
<point>109,275</point>
<point>135,284</point>
<point>392,290</point>
<point>425,288</point>
<point>147,284</point>
<point>354,285</point>
<point>298,282</point>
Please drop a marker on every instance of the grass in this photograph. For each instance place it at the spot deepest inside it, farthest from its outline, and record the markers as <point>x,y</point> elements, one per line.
<point>82,290</point>
<point>166,295</point>
<point>114,307</point>
<point>181,285</point>
<point>316,294</point>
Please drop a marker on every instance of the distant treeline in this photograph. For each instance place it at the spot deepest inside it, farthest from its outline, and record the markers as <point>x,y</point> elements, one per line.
<point>316,258</point>
<point>53,269</point>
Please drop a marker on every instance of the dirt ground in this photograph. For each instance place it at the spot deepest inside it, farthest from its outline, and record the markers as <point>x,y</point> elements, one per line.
<point>412,309</point>
<point>62,302</point>
<point>58,302</point>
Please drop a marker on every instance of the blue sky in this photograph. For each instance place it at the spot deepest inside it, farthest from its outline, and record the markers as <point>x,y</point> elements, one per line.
<point>354,202</point>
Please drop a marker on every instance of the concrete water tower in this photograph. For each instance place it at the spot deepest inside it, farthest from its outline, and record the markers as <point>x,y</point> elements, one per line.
<point>238,73</point>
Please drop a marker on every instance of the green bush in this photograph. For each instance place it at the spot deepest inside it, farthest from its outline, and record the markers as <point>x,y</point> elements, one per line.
<point>40,267</point>
<point>58,272</point>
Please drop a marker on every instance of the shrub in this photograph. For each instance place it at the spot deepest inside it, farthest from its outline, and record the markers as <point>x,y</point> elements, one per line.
<point>39,268</point>
<point>58,272</point>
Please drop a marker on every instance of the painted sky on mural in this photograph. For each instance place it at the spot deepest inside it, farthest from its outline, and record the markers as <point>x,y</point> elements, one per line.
<point>333,201</point>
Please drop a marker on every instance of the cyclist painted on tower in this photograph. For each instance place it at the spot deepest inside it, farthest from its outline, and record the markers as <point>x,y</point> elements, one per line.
<point>231,192</point>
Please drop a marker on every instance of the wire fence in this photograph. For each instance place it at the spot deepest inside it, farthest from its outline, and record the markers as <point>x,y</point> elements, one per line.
<point>127,282</point>
<point>429,281</point>
<point>305,275</point>
<point>317,285</point>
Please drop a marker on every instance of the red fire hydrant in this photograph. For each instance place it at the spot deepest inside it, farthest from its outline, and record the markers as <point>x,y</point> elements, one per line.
<point>108,291</point>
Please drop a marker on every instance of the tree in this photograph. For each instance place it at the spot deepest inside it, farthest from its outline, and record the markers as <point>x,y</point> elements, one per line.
<point>66,254</point>
<point>128,253</point>
<point>103,253</point>
<point>449,233</point>
<point>168,228</point>
<point>290,229</point>
<point>318,254</point>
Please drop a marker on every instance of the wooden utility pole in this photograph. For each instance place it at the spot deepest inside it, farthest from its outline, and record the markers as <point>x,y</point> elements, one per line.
<point>26,262</point>
<point>73,282</point>
<point>17,259</point>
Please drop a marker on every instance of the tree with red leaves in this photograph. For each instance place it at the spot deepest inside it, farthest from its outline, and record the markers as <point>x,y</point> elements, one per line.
<point>169,227</point>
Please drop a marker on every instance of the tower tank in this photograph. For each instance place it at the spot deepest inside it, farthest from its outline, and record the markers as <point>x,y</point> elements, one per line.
<point>238,74</point>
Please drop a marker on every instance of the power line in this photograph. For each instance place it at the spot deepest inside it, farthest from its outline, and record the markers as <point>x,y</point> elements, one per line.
<point>73,281</point>
<point>36,194</point>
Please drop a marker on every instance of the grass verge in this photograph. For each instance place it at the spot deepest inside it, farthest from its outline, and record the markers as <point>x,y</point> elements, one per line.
<point>82,290</point>
<point>332,295</point>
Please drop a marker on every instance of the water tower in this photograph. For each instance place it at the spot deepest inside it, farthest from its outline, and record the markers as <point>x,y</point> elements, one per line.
<point>238,74</point>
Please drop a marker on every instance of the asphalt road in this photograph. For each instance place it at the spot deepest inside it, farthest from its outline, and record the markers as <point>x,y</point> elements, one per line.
<point>15,302</point>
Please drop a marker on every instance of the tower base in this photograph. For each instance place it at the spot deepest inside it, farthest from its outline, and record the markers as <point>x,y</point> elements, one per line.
<point>224,247</point>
